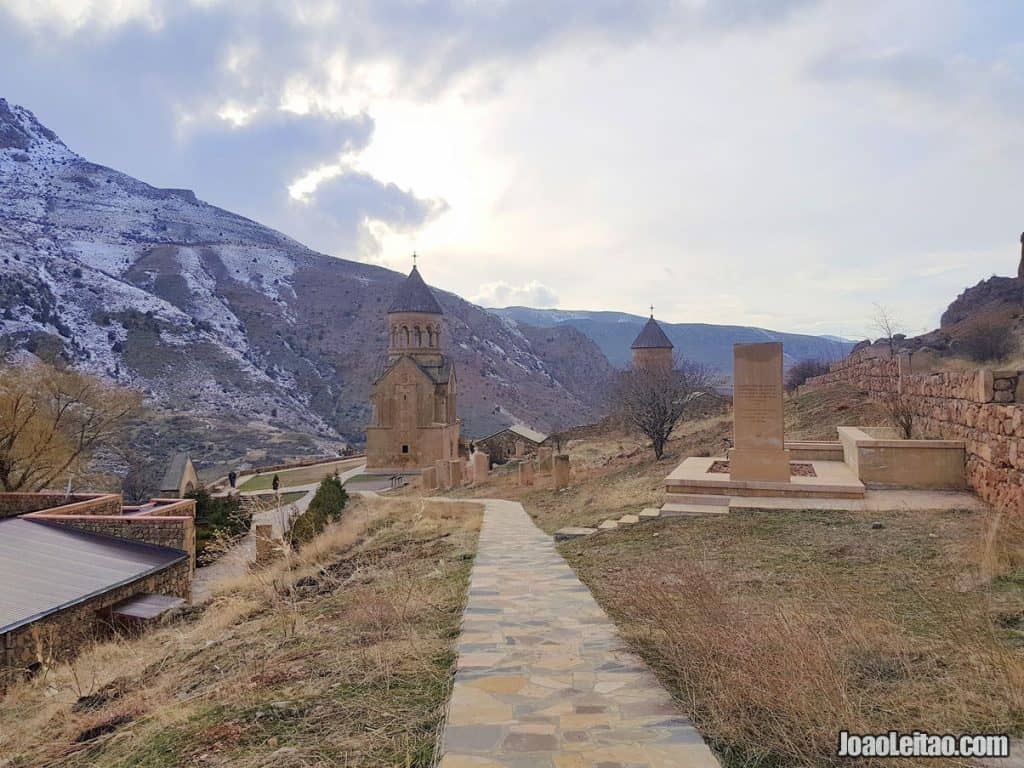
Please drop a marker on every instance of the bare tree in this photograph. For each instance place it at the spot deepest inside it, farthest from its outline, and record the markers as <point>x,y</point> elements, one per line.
<point>653,400</point>
<point>51,421</point>
<point>887,325</point>
<point>899,412</point>
<point>142,480</point>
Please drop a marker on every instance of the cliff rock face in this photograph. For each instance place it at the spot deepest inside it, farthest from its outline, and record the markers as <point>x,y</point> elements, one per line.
<point>987,295</point>
<point>244,341</point>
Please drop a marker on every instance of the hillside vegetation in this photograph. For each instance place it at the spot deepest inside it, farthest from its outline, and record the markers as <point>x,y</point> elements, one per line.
<point>341,656</point>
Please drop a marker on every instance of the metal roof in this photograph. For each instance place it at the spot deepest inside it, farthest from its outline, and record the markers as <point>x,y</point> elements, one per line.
<point>652,337</point>
<point>45,568</point>
<point>414,296</point>
<point>522,430</point>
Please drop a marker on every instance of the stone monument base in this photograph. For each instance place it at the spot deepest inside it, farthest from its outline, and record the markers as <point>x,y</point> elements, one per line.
<point>770,466</point>
<point>694,477</point>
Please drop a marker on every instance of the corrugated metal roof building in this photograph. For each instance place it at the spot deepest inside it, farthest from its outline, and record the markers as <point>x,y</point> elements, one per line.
<point>63,578</point>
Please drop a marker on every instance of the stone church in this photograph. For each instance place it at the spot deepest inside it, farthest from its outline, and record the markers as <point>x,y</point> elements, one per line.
<point>413,395</point>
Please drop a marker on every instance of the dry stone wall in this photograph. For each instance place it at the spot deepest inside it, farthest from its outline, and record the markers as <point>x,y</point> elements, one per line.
<point>13,504</point>
<point>982,407</point>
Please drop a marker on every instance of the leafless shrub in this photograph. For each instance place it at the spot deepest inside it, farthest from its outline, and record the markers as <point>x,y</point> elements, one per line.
<point>899,412</point>
<point>654,399</point>
<point>986,339</point>
<point>803,370</point>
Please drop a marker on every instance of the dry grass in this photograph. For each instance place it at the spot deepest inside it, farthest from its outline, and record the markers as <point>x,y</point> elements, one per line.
<point>300,476</point>
<point>611,475</point>
<point>815,415</point>
<point>776,631</point>
<point>341,655</point>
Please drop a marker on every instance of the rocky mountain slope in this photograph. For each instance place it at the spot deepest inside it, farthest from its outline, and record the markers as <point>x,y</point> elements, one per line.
<point>994,294</point>
<point>246,342</point>
<point>613,332</point>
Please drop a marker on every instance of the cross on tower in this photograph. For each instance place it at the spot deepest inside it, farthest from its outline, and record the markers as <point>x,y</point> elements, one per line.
<point>652,310</point>
<point>414,258</point>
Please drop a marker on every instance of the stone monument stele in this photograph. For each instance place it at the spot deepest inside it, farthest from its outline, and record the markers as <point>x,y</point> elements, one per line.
<point>759,445</point>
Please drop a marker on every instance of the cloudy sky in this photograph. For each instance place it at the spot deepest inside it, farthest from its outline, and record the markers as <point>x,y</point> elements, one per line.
<point>783,163</point>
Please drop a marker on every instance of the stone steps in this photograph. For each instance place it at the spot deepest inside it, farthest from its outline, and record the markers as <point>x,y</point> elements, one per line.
<point>710,500</point>
<point>694,510</point>
<point>697,507</point>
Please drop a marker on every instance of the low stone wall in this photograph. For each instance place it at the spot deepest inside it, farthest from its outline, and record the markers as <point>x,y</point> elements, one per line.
<point>982,407</point>
<point>13,504</point>
<point>62,634</point>
<point>300,464</point>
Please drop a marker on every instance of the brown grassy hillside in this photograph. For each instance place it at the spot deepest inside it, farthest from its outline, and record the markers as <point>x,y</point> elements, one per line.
<point>340,657</point>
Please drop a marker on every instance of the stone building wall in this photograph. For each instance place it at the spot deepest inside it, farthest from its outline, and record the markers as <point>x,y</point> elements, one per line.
<point>12,504</point>
<point>61,635</point>
<point>502,446</point>
<point>982,407</point>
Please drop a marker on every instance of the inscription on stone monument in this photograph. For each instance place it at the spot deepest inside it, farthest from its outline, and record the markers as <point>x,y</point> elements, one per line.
<point>758,452</point>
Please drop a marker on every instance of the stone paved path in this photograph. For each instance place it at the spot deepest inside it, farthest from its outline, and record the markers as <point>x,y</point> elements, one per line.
<point>543,679</point>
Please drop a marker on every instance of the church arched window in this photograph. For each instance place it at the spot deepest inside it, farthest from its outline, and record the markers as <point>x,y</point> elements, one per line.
<point>417,335</point>
<point>405,335</point>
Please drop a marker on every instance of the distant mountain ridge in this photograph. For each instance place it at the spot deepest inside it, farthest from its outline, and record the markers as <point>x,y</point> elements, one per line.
<point>613,332</point>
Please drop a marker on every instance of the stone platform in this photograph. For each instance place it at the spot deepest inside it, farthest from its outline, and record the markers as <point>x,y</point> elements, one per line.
<point>833,480</point>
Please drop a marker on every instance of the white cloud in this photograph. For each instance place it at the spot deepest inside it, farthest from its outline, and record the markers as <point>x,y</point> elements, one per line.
<point>68,17</point>
<point>501,294</point>
<point>737,162</point>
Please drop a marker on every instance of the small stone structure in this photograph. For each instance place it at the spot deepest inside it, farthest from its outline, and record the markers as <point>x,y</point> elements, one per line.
<point>544,463</point>
<point>481,466</point>
<point>561,471</point>
<point>516,441</point>
<point>454,473</point>
<point>444,477</point>
<point>881,459</point>
<point>180,479</point>
<point>526,473</point>
<point>759,452</point>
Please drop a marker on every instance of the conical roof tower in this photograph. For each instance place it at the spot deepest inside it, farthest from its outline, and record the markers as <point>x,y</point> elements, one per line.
<point>651,346</point>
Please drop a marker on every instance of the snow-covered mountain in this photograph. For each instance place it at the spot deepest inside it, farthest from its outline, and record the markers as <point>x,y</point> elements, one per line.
<point>245,342</point>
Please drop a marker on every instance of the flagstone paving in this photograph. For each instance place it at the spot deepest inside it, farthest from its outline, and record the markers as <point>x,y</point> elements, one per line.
<point>543,679</point>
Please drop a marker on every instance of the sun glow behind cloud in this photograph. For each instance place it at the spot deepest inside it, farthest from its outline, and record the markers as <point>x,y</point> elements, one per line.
<point>787,163</point>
